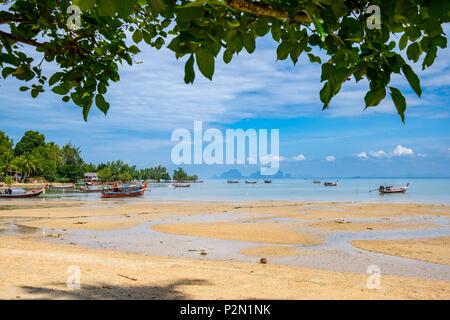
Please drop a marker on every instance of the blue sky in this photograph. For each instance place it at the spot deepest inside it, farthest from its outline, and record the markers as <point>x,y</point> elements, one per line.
<point>254,91</point>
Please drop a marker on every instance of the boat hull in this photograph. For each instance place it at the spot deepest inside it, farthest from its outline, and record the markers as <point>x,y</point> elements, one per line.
<point>32,194</point>
<point>62,188</point>
<point>109,195</point>
<point>181,185</point>
<point>392,191</point>
<point>125,192</point>
<point>330,184</point>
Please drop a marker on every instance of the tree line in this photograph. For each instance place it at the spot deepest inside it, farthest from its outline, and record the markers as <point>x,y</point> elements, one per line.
<point>33,158</point>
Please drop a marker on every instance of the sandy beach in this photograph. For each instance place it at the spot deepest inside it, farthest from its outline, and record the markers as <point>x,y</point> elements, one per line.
<point>212,250</point>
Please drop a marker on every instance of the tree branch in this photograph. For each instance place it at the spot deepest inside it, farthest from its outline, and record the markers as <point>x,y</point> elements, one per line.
<point>263,9</point>
<point>68,47</point>
<point>13,38</point>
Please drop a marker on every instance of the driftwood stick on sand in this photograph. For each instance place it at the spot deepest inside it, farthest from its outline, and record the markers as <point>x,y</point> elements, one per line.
<point>126,277</point>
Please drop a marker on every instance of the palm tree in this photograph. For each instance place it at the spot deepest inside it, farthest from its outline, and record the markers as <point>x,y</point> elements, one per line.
<point>8,164</point>
<point>28,165</point>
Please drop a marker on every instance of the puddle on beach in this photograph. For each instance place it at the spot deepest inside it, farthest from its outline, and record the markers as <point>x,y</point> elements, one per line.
<point>336,254</point>
<point>13,229</point>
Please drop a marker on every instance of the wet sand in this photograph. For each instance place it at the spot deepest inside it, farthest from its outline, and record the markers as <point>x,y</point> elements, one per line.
<point>39,270</point>
<point>267,251</point>
<point>348,226</point>
<point>266,232</point>
<point>435,250</point>
<point>212,249</point>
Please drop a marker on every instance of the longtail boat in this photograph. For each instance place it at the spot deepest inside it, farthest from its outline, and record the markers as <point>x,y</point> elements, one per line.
<point>393,189</point>
<point>26,194</point>
<point>317,182</point>
<point>181,185</point>
<point>251,182</point>
<point>62,187</point>
<point>124,191</point>
<point>267,181</point>
<point>94,188</point>
<point>233,181</point>
<point>330,184</point>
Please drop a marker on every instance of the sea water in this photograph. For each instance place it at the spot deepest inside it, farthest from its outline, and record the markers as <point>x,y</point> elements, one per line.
<point>432,191</point>
<point>360,190</point>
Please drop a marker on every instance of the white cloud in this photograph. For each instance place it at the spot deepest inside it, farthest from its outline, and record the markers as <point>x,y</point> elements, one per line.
<point>300,157</point>
<point>378,154</point>
<point>401,151</point>
<point>330,158</point>
<point>270,158</point>
<point>363,155</point>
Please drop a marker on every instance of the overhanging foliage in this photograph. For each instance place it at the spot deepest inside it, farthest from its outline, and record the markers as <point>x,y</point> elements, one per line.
<point>205,31</point>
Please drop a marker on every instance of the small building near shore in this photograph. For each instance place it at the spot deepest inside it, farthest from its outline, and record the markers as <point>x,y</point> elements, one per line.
<point>90,176</point>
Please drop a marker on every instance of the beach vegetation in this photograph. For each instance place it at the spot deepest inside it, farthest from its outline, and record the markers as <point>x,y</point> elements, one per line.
<point>37,159</point>
<point>30,140</point>
<point>181,175</point>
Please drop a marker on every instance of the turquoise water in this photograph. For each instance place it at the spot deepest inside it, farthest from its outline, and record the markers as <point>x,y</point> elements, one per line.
<point>421,191</point>
<point>435,191</point>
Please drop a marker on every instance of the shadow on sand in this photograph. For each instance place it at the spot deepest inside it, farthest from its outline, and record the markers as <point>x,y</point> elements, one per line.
<point>106,291</point>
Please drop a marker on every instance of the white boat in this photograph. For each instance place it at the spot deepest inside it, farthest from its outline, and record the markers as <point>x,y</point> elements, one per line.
<point>393,189</point>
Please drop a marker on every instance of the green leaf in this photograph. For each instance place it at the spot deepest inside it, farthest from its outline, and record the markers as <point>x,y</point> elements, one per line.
<point>413,52</point>
<point>295,52</point>
<point>437,8</point>
<point>34,93</point>
<point>205,62</point>
<point>55,78</point>
<point>227,56</point>
<point>137,36</point>
<point>61,89</point>
<point>399,102</point>
<point>101,103</point>
<point>125,7</point>
<point>10,59</point>
<point>403,42</point>
<point>189,13</point>
<point>86,109</point>
<point>326,94</point>
<point>429,58</point>
<point>276,30</point>
<point>107,7</point>
<point>134,49</point>
<point>189,73</point>
<point>249,42</point>
<point>7,71</point>
<point>283,50</point>
<point>412,78</point>
<point>314,59</point>
<point>24,88</point>
<point>319,27</point>
<point>375,96</point>
<point>84,4</point>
